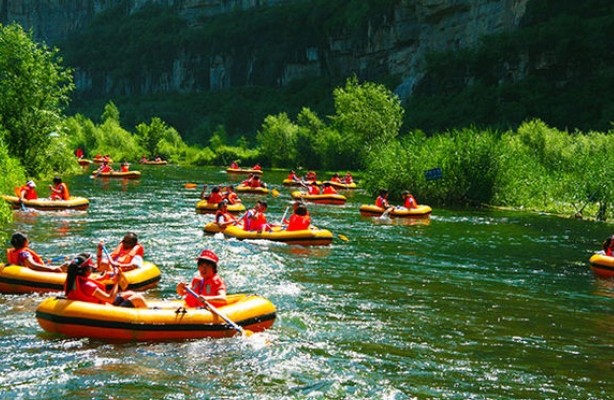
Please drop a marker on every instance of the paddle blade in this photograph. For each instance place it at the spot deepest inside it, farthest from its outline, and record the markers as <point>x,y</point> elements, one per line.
<point>247,333</point>
<point>275,192</point>
<point>343,237</point>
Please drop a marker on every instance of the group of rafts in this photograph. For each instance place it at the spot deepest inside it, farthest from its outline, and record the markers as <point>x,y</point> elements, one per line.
<point>74,202</point>
<point>162,320</point>
<point>313,236</point>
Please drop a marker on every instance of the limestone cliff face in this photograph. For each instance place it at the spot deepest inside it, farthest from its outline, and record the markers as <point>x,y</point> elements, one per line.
<point>396,47</point>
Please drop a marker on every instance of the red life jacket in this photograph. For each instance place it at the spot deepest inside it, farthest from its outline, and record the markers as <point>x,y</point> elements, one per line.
<point>64,194</point>
<point>77,292</point>
<point>30,192</point>
<point>124,256</point>
<point>211,287</point>
<point>381,202</point>
<point>215,197</point>
<point>298,222</point>
<point>12,256</point>
<point>313,189</point>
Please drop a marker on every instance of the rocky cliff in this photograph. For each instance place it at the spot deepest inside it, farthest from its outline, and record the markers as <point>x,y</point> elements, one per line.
<point>395,45</point>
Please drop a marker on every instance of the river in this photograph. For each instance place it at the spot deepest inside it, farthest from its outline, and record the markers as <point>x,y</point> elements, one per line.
<point>466,304</point>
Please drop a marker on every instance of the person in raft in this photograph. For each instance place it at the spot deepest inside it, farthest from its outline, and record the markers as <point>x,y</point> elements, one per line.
<point>328,189</point>
<point>348,179</point>
<point>79,286</point>
<point>335,178</point>
<point>127,255</point>
<point>59,190</point>
<point>257,167</point>
<point>409,201</point>
<point>104,168</point>
<point>608,246</point>
<point>208,285</point>
<point>255,219</point>
<point>234,165</point>
<point>300,220</point>
<point>125,166</point>
<point>222,217</point>
<point>230,196</point>
<point>292,176</point>
<point>27,191</point>
<point>22,255</point>
<point>215,197</point>
<point>256,182</point>
<point>382,199</point>
<point>312,188</point>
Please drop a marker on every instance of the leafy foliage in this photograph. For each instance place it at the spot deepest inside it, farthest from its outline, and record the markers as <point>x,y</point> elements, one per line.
<point>34,89</point>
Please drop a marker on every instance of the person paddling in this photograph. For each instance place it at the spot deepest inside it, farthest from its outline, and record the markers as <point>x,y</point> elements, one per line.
<point>22,255</point>
<point>207,285</point>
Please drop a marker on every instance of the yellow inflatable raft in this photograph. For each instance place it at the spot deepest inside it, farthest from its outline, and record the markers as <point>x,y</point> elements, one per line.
<point>45,204</point>
<point>84,162</point>
<point>243,171</point>
<point>163,320</point>
<point>251,190</point>
<point>290,182</point>
<point>99,161</point>
<point>338,199</point>
<point>307,237</point>
<point>161,162</point>
<point>17,279</point>
<point>342,186</point>
<point>602,265</point>
<point>204,207</point>
<point>371,210</point>
<point>117,174</point>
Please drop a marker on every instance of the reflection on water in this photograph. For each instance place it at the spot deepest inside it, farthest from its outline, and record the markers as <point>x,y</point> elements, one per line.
<point>460,305</point>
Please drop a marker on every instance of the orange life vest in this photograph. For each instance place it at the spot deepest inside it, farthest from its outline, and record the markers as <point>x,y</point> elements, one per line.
<point>124,256</point>
<point>64,194</point>
<point>12,256</point>
<point>298,222</point>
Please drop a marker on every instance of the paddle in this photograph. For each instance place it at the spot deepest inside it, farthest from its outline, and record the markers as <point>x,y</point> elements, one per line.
<point>23,206</point>
<point>342,237</point>
<point>123,281</point>
<point>243,332</point>
<point>56,259</point>
<point>284,216</point>
<point>385,214</point>
<point>274,192</point>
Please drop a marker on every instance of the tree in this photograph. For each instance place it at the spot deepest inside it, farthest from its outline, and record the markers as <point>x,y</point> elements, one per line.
<point>367,116</point>
<point>278,140</point>
<point>34,90</point>
<point>151,135</point>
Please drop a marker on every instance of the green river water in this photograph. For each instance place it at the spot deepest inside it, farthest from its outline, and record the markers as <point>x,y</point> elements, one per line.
<point>464,305</point>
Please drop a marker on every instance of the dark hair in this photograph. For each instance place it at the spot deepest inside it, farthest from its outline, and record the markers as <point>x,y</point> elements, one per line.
<point>606,243</point>
<point>301,210</point>
<point>75,268</point>
<point>383,192</point>
<point>130,237</point>
<point>405,193</point>
<point>202,261</point>
<point>57,180</point>
<point>18,240</point>
<point>215,189</point>
<point>221,204</point>
<point>263,203</point>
